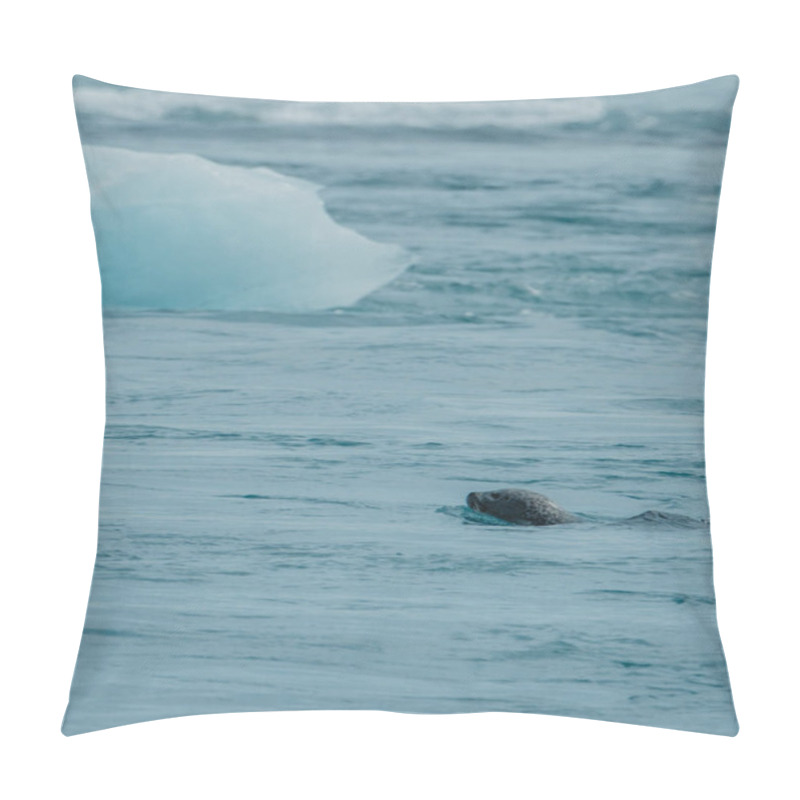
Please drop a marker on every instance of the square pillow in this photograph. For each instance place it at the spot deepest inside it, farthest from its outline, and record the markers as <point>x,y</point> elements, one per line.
<point>404,407</point>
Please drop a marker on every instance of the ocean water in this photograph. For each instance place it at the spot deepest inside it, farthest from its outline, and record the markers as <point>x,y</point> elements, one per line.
<point>282,517</point>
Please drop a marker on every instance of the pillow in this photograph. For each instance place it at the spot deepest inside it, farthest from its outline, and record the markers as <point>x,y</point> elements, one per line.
<point>404,407</point>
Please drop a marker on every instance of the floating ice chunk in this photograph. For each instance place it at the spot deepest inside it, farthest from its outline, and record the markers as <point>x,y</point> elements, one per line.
<point>176,231</point>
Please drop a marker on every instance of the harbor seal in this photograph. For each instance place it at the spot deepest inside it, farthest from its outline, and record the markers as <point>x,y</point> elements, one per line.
<point>520,506</point>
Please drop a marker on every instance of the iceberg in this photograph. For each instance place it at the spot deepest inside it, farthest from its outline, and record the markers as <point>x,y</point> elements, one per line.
<point>177,231</point>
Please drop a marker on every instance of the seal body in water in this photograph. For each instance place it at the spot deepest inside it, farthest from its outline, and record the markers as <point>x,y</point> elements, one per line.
<point>519,506</point>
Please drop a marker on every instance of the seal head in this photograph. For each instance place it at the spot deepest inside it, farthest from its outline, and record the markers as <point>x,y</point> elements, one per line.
<point>519,506</point>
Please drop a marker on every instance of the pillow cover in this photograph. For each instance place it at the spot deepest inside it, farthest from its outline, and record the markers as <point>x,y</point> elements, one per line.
<point>404,407</point>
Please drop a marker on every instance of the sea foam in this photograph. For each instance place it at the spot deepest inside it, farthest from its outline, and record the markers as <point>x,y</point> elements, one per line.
<point>177,231</point>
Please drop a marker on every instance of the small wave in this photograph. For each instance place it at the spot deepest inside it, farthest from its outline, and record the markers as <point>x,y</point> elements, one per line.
<point>557,648</point>
<point>133,432</point>
<point>300,499</point>
<point>652,188</point>
<point>113,632</point>
<point>667,519</point>
<point>675,597</point>
<point>497,565</point>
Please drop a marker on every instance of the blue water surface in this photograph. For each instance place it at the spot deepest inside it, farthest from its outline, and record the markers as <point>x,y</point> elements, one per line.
<point>282,519</point>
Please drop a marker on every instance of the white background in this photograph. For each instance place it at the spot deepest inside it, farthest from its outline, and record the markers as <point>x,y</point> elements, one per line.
<point>52,401</point>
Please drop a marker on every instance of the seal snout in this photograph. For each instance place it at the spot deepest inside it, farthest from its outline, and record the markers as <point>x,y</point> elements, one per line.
<point>473,502</point>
